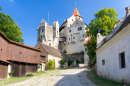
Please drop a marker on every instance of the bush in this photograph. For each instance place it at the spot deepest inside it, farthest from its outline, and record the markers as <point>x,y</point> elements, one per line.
<point>29,74</point>
<point>10,74</point>
<point>38,66</point>
<point>65,51</point>
<point>63,60</point>
<point>77,61</point>
<point>50,64</point>
<point>70,62</point>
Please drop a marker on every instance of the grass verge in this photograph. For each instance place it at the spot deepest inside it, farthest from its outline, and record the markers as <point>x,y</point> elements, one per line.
<point>101,81</point>
<point>15,80</point>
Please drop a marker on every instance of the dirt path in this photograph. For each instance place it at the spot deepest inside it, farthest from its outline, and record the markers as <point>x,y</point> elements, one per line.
<point>67,77</point>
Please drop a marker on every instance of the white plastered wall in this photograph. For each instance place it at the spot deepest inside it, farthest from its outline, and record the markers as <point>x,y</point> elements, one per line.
<point>56,59</point>
<point>110,53</point>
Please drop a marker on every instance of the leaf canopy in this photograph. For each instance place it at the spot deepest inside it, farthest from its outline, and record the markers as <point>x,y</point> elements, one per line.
<point>9,28</point>
<point>105,19</point>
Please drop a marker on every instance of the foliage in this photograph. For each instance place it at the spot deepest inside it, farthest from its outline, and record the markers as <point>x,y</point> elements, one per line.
<point>70,62</point>
<point>65,51</point>
<point>50,64</point>
<point>63,61</point>
<point>77,61</point>
<point>91,47</point>
<point>101,81</point>
<point>29,74</point>
<point>10,73</point>
<point>38,66</point>
<point>105,19</point>
<point>82,52</point>
<point>9,28</point>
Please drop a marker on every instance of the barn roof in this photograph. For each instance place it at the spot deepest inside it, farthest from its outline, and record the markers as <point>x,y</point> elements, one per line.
<point>16,43</point>
<point>54,51</point>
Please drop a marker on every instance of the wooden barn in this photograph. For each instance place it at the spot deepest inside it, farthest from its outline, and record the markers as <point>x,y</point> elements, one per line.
<point>18,57</point>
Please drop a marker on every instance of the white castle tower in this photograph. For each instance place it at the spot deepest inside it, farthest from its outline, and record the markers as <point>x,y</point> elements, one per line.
<point>48,34</point>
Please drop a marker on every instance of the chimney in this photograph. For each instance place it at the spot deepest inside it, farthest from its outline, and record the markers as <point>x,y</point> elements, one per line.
<point>127,11</point>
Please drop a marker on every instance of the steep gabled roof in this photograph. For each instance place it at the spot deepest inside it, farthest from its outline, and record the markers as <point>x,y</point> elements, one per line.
<point>76,12</point>
<point>54,51</point>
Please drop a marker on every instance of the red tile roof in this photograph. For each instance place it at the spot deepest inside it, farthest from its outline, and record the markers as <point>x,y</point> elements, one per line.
<point>89,39</point>
<point>76,12</point>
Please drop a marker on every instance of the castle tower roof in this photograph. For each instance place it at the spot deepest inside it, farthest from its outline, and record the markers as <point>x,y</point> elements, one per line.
<point>76,12</point>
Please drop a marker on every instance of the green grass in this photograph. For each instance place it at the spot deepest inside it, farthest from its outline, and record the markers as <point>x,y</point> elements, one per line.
<point>101,81</point>
<point>51,69</point>
<point>15,80</point>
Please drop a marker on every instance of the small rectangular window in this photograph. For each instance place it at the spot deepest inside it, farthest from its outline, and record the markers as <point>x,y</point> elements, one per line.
<point>79,28</point>
<point>69,30</point>
<point>42,30</point>
<point>122,60</point>
<point>103,62</point>
<point>83,35</point>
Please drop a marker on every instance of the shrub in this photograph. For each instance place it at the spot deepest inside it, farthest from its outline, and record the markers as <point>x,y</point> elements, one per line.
<point>10,74</point>
<point>50,64</point>
<point>38,66</point>
<point>69,62</point>
<point>65,51</point>
<point>82,52</point>
<point>29,74</point>
<point>77,61</point>
<point>63,60</point>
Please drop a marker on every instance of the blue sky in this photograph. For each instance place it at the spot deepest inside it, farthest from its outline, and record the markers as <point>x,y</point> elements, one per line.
<point>28,13</point>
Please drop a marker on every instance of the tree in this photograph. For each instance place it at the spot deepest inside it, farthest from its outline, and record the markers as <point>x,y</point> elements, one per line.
<point>9,28</point>
<point>105,19</point>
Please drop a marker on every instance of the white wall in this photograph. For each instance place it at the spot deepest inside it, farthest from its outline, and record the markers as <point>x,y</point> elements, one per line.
<point>110,53</point>
<point>9,70</point>
<point>56,59</point>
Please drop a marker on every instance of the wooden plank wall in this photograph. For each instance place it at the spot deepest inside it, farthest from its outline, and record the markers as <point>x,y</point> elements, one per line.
<point>3,71</point>
<point>21,69</point>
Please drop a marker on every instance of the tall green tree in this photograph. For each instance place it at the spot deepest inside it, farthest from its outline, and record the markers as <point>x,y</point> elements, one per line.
<point>105,19</point>
<point>9,28</point>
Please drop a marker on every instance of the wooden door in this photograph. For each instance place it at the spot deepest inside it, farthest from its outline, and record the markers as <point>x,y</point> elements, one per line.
<point>3,71</point>
<point>22,70</point>
<point>15,68</point>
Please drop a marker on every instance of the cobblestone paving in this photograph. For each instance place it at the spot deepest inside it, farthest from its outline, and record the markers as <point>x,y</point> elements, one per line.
<point>67,77</point>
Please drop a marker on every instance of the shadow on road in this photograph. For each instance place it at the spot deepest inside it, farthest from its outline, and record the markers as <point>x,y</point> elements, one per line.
<point>79,78</point>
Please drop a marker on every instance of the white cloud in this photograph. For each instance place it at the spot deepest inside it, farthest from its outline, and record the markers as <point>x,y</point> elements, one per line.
<point>12,0</point>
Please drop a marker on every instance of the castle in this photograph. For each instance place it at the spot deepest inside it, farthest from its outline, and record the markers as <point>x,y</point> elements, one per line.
<point>48,34</point>
<point>70,37</point>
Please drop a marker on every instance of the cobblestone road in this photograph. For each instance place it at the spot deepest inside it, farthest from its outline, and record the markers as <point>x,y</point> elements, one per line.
<point>67,77</point>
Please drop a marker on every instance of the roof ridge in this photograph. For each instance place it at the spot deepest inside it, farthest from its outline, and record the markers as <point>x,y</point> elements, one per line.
<point>19,43</point>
